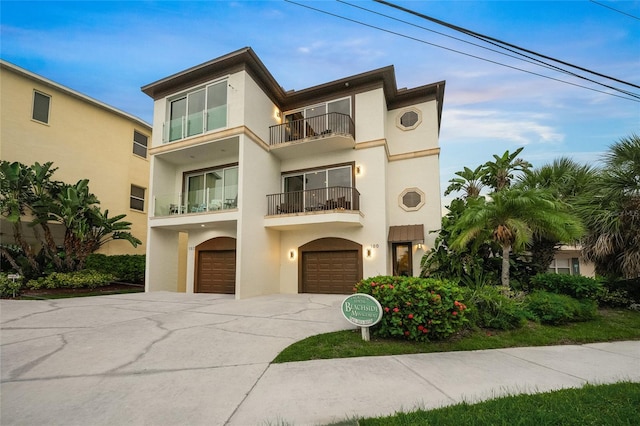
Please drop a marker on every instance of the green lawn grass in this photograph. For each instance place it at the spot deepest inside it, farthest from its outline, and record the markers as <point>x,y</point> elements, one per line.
<point>615,404</point>
<point>610,325</point>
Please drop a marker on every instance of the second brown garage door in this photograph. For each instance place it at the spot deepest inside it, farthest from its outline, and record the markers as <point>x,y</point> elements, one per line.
<point>217,272</point>
<point>333,272</point>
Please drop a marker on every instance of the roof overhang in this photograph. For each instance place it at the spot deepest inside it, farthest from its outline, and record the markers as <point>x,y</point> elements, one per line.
<point>246,59</point>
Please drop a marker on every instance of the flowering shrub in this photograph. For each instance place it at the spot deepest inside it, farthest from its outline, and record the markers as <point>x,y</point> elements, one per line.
<point>419,309</point>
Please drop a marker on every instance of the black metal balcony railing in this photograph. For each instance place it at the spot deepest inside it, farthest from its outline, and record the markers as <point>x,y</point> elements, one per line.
<point>318,126</point>
<point>312,200</point>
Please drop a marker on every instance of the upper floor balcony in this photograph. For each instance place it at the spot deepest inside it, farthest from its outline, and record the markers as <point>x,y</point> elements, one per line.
<point>313,135</point>
<point>334,206</point>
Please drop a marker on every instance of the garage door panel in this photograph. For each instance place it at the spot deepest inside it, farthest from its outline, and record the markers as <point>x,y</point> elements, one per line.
<point>333,272</point>
<point>217,271</point>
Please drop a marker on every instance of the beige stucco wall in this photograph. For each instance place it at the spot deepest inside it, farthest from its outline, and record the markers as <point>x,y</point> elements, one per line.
<point>83,140</point>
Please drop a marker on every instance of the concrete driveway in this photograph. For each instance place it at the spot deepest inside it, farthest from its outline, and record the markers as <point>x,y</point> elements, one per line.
<point>199,359</point>
<point>147,358</point>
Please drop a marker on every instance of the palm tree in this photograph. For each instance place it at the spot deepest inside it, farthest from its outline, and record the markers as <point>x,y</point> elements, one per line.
<point>611,212</point>
<point>513,216</point>
<point>566,179</point>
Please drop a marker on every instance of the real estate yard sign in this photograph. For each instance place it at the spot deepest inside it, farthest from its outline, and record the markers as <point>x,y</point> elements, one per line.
<point>362,310</point>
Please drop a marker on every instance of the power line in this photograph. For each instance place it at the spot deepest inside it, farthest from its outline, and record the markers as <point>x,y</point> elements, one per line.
<point>499,42</point>
<point>459,52</point>
<point>529,59</point>
<point>615,10</point>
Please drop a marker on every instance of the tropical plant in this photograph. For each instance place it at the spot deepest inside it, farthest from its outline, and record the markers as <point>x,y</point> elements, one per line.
<point>511,217</point>
<point>499,174</point>
<point>611,212</point>
<point>468,181</point>
<point>567,180</point>
<point>28,194</point>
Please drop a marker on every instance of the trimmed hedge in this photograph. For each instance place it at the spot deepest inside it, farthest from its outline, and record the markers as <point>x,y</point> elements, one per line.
<point>82,279</point>
<point>551,308</point>
<point>419,309</point>
<point>126,267</point>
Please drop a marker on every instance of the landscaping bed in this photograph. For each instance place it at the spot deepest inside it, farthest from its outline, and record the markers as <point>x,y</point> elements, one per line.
<point>60,293</point>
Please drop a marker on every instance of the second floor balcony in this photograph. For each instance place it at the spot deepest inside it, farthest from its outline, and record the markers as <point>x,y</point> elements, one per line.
<point>314,200</point>
<point>313,135</point>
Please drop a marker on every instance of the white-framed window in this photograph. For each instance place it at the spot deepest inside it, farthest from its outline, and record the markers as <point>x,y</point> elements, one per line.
<point>318,119</point>
<point>41,107</point>
<point>197,111</point>
<point>140,142</point>
<point>560,266</point>
<point>137,198</point>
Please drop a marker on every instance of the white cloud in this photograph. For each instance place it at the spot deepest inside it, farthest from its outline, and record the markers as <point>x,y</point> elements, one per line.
<point>476,124</point>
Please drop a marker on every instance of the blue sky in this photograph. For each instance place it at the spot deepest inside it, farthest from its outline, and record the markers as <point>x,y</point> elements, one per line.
<point>108,50</point>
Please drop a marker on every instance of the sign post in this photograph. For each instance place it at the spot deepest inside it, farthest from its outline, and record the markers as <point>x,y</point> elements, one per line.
<point>363,311</point>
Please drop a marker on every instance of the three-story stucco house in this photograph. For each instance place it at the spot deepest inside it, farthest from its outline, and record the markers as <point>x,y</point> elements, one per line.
<point>257,190</point>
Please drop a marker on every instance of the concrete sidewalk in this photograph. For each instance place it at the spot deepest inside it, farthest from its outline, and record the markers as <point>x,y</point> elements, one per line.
<point>202,359</point>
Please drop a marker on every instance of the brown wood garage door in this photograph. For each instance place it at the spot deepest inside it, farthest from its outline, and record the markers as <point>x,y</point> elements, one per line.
<point>333,272</point>
<point>217,272</point>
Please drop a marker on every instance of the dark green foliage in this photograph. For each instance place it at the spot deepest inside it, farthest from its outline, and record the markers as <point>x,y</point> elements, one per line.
<point>419,309</point>
<point>491,308</point>
<point>126,267</point>
<point>81,279</point>
<point>552,308</point>
<point>575,286</point>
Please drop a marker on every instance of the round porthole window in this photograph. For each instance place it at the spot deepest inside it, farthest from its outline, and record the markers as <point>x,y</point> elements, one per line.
<point>409,119</point>
<point>411,199</point>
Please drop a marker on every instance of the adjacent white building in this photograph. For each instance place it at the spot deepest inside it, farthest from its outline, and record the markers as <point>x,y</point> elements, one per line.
<point>256,190</point>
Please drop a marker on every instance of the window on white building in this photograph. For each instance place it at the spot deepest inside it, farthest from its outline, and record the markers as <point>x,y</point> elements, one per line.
<point>318,119</point>
<point>197,112</point>
<point>212,189</point>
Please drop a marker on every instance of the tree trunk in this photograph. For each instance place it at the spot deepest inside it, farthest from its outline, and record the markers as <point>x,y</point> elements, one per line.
<point>506,249</point>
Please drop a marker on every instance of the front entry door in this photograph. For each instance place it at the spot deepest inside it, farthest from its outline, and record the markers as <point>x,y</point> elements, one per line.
<point>402,262</point>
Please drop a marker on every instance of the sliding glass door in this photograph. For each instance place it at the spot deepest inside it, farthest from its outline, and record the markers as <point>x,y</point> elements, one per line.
<point>212,190</point>
<point>316,189</point>
<point>198,111</point>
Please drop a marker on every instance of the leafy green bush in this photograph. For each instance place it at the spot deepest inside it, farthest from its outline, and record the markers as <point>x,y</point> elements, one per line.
<point>575,286</point>
<point>126,267</point>
<point>493,309</point>
<point>614,298</point>
<point>9,287</point>
<point>552,308</point>
<point>82,279</point>
<point>419,309</point>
